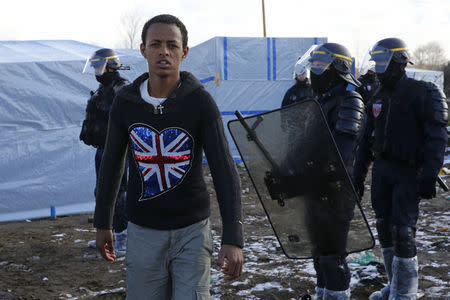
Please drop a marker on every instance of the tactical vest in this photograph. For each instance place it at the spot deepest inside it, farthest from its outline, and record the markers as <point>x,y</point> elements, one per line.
<point>398,128</point>
<point>95,126</point>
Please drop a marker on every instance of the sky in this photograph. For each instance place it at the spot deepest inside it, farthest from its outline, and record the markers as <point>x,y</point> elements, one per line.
<point>356,24</point>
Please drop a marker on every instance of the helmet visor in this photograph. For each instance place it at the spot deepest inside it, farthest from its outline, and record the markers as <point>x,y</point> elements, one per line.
<point>320,60</point>
<point>381,57</point>
<point>314,60</point>
<point>367,64</point>
<point>96,65</point>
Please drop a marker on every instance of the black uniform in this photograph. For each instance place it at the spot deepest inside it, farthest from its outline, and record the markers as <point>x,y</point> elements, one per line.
<point>344,111</point>
<point>406,131</point>
<point>93,133</point>
<point>301,90</point>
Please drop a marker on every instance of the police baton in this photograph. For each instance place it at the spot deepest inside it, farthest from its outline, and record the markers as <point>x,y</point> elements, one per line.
<point>252,136</point>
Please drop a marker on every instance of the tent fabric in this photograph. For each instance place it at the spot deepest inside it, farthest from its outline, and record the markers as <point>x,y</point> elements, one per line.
<point>427,75</point>
<point>42,106</point>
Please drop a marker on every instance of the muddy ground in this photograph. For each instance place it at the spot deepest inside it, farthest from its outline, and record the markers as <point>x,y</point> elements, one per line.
<point>49,259</point>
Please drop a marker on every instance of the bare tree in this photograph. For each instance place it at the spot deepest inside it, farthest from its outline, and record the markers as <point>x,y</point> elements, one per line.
<point>430,56</point>
<point>131,25</point>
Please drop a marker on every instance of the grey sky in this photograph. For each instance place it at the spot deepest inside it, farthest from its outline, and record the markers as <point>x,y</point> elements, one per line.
<point>355,24</point>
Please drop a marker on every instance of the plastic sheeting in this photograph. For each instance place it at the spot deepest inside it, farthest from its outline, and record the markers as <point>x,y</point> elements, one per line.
<point>42,105</point>
<point>427,75</point>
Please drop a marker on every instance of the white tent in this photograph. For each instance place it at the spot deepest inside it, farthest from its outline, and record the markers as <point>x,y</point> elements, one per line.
<point>427,75</point>
<point>43,99</point>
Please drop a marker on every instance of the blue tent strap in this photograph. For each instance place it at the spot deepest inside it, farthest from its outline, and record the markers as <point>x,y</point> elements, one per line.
<point>274,59</point>
<point>225,59</point>
<point>244,112</point>
<point>316,41</point>
<point>268,58</point>
<point>207,79</point>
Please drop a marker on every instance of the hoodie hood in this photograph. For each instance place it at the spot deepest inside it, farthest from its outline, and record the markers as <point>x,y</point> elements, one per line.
<point>187,85</point>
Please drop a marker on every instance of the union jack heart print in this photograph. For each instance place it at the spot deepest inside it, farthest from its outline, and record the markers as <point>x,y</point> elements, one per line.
<point>163,158</point>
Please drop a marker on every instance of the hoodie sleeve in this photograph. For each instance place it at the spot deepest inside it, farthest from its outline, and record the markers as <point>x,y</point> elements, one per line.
<point>111,169</point>
<point>224,173</point>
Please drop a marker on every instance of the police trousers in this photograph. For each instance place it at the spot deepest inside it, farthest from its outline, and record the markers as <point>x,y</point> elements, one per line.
<point>395,196</point>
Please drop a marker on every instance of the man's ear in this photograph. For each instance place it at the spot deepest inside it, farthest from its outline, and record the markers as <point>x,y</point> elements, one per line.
<point>185,52</point>
<point>142,47</point>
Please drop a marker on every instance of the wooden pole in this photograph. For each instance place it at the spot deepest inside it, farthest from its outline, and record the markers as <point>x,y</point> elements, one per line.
<point>264,18</point>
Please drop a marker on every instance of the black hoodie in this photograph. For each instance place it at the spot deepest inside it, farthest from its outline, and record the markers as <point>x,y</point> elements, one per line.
<point>166,189</point>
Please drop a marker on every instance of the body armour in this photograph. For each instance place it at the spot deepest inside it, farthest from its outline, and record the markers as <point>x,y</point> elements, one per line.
<point>400,117</point>
<point>95,126</point>
<point>344,112</point>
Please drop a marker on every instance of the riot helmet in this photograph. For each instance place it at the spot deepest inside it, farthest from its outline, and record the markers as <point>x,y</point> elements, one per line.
<point>382,53</point>
<point>102,59</point>
<point>328,64</point>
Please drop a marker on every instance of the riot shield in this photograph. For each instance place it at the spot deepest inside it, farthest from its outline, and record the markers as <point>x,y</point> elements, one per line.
<point>301,181</point>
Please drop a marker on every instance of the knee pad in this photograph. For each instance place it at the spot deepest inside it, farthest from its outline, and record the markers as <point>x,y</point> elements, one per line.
<point>384,229</point>
<point>404,241</point>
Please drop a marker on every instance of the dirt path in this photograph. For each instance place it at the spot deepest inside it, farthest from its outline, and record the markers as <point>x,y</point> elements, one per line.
<point>49,259</point>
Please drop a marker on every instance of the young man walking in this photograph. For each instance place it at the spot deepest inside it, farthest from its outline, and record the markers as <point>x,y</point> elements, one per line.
<point>166,119</point>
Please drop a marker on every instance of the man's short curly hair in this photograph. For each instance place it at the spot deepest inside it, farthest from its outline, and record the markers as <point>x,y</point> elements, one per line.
<point>166,19</point>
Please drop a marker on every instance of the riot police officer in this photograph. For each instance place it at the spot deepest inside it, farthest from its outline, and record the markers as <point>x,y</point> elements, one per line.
<point>301,90</point>
<point>104,64</point>
<point>369,85</point>
<point>330,72</point>
<point>406,132</point>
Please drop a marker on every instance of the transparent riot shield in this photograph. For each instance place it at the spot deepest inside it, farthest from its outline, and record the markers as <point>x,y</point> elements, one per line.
<point>301,180</point>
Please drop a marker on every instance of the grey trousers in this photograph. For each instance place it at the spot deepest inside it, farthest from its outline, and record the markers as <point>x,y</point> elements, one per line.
<point>169,264</point>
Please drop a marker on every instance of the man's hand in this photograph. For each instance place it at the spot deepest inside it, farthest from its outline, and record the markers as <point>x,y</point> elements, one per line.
<point>234,261</point>
<point>105,243</point>
<point>427,188</point>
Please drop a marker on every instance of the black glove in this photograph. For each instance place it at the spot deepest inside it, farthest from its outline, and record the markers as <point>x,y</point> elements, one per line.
<point>358,183</point>
<point>427,188</point>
